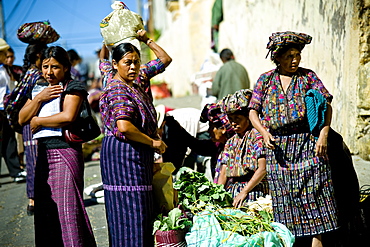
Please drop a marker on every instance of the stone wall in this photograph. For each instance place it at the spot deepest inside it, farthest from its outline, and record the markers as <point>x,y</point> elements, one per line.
<point>187,41</point>
<point>339,52</point>
<point>363,119</point>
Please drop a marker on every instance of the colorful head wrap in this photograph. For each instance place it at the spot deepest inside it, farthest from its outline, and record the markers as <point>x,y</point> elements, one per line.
<point>212,113</point>
<point>280,39</point>
<point>237,101</point>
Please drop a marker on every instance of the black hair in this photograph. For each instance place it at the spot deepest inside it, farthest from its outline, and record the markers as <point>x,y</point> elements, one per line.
<point>226,55</point>
<point>73,55</point>
<point>59,54</point>
<point>285,48</point>
<point>120,50</point>
<point>10,50</point>
<point>31,55</point>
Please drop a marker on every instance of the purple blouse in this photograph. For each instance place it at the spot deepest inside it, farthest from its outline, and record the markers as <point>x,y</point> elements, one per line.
<point>135,104</point>
<point>278,109</point>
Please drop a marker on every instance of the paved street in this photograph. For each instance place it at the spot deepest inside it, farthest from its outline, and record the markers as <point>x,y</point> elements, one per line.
<point>16,228</point>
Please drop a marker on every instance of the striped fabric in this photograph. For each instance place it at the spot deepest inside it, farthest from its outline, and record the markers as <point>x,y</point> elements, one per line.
<point>127,173</point>
<point>30,150</point>
<point>180,244</point>
<point>171,238</point>
<point>316,108</point>
<point>261,189</point>
<point>60,215</point>
<point>32,76</point>
<point>120,101</point>
<point>301,186</point>
<point>300,182</point>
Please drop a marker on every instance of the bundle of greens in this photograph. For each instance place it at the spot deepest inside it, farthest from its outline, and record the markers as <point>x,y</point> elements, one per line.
<point>195,191</point>
<point>174,221</point>
<point>244,223</point>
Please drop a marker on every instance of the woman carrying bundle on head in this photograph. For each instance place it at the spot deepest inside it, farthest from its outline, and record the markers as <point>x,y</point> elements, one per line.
<point>297,165</point>
<point>131,138</point>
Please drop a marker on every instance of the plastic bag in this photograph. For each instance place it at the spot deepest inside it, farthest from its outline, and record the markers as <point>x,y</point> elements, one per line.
<point>207,232</point>
<point>121,25</point>
<point>163,186</point>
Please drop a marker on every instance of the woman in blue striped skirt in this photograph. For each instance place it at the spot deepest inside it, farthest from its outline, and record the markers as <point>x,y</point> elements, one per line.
<point>127,153</point>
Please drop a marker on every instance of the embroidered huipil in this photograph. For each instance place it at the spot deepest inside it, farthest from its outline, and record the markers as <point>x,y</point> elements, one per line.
<point>281,109</point>
<point>300,182</point>
<point>240,154</point>
<point>122,102</point>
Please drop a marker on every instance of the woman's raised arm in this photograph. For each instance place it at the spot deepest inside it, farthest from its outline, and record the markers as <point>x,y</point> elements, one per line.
<point>158,51</point>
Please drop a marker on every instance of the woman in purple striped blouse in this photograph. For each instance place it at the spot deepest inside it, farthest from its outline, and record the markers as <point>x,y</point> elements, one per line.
<point>131,138</point>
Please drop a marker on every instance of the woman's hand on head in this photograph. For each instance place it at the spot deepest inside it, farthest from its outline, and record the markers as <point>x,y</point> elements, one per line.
<point>269,140</point>
<point>159,146</point>
<point>49,93</point>
<point>141,35</point>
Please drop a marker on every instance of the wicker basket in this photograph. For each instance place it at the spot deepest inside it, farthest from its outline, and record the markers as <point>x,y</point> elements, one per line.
<point>172,238</point>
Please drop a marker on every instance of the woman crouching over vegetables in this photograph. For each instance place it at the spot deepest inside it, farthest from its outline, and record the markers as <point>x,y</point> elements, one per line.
<point>242,165</point>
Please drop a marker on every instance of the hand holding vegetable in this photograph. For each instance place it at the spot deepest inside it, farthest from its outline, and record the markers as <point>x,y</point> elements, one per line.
<point>238,200</point>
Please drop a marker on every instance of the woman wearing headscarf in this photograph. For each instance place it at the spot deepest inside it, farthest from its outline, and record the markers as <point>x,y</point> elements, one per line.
<point>32,75</point>
<point>242,164</point>
<point>297,166</point>
<point>131,138</point>
<point>60,215</point>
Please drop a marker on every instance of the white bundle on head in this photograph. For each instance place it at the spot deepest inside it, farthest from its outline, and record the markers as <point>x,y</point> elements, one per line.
<point>121,26</point>
<point>118,5</point>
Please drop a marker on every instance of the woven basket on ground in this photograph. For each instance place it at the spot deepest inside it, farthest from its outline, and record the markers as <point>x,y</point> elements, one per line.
<point>172,238</point>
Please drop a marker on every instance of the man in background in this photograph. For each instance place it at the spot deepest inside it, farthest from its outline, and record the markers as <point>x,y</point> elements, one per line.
<point>231,77</point>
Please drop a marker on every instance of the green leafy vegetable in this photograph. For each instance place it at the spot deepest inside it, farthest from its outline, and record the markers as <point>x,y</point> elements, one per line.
<point>195,190</point>
<point>174,221</point>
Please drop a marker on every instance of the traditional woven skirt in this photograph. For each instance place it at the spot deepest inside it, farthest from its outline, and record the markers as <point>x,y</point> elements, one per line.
<point>30,151</point>
<point>127,174</point>
<point>261,190</point>
<point>301,186</point>
<point>236,184</point>
<point>60,215</point>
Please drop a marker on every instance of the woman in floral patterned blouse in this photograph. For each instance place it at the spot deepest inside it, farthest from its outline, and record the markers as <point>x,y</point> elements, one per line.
<point>297,165</point>
<point>131,138</point>
<point>242,164</point>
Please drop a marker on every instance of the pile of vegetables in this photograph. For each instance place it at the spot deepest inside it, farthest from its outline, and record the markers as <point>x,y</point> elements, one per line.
<point>174,221</point>
<point>245,224</point>
<point>195,191</point>
<point>215,222</point>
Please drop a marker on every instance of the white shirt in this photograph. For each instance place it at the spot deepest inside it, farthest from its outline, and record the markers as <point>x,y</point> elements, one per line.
<point>4,82</point>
